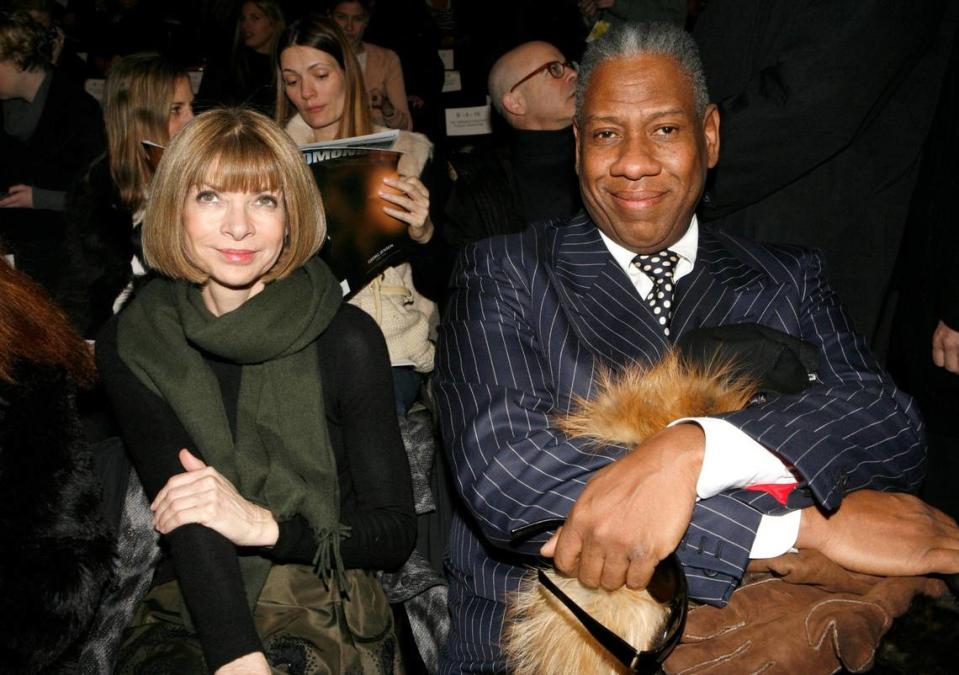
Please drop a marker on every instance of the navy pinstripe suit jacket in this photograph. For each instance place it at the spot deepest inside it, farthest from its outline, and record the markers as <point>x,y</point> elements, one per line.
<point>530,318</point>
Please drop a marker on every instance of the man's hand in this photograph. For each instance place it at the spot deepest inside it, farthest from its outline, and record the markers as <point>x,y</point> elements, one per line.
<point>884,533</point>
<point>632,513</point>
<point>945,348</point>
<point>202,495</point>
<point>18,197</point>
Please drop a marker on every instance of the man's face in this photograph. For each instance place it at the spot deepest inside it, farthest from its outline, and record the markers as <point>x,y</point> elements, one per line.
<point>641,152</point>
<point>550,101</point>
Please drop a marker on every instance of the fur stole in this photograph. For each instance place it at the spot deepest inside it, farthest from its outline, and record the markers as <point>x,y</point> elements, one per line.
<point>57,550</point>
<point>540,635</point>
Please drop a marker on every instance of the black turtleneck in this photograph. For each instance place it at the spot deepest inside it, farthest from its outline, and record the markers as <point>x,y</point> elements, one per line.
<point>504,190</point>
<point>544,170</point>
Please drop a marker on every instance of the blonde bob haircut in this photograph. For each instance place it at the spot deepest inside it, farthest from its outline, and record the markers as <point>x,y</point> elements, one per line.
<point>322,33</point>
<point>231,150</point>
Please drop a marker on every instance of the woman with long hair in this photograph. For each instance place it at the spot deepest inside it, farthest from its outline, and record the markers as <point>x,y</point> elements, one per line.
<point>256,407</point>
<point>147,100</point>
<point>321,97</point>
<point>248,77</point>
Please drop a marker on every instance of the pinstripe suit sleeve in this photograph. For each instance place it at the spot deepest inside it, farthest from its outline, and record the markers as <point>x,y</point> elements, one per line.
<point>494,390</point>
<point>854,429</point>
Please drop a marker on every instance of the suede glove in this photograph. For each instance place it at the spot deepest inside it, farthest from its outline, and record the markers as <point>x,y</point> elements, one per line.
<point>801,613</point>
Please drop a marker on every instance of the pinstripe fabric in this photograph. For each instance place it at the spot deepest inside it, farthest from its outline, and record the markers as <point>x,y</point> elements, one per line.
<point>531,317</point>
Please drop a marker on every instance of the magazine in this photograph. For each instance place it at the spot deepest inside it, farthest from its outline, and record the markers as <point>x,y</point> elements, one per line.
<point>362,239</point>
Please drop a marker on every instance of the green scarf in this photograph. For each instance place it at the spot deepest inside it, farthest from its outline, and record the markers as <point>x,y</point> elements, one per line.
<point>281,458</point>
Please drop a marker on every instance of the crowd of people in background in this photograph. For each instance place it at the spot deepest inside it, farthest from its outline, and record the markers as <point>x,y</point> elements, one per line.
<point>138,135</point>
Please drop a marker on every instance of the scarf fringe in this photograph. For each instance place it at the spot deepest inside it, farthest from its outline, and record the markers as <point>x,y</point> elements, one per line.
<point>328,561</point>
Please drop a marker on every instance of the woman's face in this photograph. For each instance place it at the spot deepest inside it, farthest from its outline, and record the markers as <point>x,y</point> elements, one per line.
<point>256,28</point>
<point>234,237</point>
<point>316,85</point>
<point>181,107</point>
<point>353,19</point>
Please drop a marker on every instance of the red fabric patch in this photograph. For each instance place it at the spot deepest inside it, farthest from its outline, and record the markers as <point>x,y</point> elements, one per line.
<point>779,491</point>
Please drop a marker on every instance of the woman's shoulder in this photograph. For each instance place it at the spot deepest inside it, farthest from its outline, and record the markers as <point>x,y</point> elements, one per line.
<point>378,53</point>
<point>351,338</point>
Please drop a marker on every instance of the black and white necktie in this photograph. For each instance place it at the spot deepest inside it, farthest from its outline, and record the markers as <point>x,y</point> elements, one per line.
<point>659,267</point>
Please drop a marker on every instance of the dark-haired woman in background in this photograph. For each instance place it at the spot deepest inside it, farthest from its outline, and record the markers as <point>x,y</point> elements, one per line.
<point>247,78</point>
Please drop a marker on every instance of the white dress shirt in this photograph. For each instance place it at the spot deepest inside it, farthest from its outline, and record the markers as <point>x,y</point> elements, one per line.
<point>731,459</point>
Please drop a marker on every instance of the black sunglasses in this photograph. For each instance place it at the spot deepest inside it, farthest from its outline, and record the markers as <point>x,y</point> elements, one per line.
<point>667,586</point>
<point>556,69</point>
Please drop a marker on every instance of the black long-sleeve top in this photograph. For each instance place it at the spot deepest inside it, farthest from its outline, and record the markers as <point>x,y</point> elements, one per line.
<point>374,477</point>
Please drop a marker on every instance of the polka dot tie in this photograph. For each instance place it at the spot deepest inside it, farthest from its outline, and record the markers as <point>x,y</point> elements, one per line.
<point>659,267</point>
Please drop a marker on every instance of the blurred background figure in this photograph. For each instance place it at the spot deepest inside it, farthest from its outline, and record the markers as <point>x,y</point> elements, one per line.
<point>248,76</point>
<point>147,98</point>
<point>50,131</point>
<point>381,67</point>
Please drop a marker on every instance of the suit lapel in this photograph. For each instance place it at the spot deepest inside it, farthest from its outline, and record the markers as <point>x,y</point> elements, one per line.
<point>601,303</point>
<point>721,289</point>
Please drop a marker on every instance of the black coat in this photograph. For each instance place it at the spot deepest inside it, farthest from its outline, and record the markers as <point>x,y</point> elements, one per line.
<point>100,243</point>
<point>824,110</point>
<point>57,549</point>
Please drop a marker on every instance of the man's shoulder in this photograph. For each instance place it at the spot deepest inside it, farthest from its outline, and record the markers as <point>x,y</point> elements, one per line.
<point>780,262</point>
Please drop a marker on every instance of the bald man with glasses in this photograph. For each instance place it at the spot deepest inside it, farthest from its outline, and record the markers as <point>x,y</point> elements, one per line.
<point>532,177</point>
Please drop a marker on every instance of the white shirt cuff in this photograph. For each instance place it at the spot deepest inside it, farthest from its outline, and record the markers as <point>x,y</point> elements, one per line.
<point>776,535</point>
<point>734,460</point>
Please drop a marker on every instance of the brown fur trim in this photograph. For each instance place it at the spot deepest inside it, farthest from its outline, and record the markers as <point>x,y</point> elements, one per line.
<point>540,635</point>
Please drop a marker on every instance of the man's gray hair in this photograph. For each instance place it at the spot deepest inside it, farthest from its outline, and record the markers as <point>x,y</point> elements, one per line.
<point>643,39</point>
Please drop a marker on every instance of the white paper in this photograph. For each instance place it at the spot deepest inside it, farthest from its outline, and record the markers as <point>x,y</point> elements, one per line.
<point>446,56</point>
<point>472,121</point>
<point>452,81</point>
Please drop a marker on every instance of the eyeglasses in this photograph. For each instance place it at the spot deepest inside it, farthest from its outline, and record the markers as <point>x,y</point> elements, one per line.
<point>667,586</point>
<point>556,69</point>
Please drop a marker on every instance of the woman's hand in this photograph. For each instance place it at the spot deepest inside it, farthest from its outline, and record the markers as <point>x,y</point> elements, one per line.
<point>202,495</point>
<point>251,664</point>
<point>414,203</point>
<point>18,197</point>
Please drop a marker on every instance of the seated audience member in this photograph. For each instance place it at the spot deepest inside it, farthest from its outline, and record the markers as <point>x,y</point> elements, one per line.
<point>535,317</point>
<point>146,98</point>
<point>274,517</point>
<point>320,97</point>
<point>51,131</point>
<point>533,178</point>
<point>58,549</point>
<point>381,68</point>
<point>47,13</point>
<point>248,77</point>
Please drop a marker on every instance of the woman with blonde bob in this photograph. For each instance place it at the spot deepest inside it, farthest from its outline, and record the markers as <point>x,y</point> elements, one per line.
<point>256,408</point>
<point>321,97</point>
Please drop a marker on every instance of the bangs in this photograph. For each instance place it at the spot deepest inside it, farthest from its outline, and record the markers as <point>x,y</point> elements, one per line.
<point>240,163</point>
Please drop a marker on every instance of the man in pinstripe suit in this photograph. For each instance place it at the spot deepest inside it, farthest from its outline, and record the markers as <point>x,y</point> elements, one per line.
<point>533,315</point>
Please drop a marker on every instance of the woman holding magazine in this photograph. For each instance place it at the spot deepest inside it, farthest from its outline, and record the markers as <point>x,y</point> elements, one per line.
<point>273,515</point>
<point>320,97</point>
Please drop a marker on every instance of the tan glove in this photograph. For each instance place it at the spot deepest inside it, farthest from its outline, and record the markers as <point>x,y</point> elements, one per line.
<point>814,619</point>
